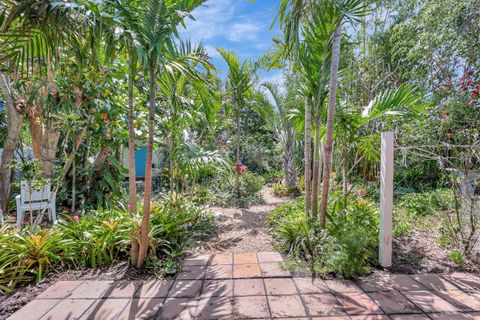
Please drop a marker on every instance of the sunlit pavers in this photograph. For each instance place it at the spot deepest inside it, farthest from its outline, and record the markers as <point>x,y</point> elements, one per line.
<point>256,286</point>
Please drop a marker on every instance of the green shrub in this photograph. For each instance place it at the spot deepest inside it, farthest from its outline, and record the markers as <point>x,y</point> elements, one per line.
<point>273,176</point>
<point>27,255</point>
<point>246,195</point>
<point>177,225</point>
<point>280,190</point>
<point>203,194</point>
<point>427,203</point>
<point>100,238</point>
<point>347,247</point>
<point>457,257</point>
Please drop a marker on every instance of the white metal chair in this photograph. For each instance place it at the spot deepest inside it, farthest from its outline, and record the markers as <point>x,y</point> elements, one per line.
<point>31,199</point>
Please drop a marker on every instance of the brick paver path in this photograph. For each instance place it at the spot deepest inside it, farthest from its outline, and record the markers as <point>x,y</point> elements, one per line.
<point>254,286</point>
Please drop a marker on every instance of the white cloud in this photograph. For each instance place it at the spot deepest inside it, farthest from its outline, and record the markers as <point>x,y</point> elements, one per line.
<point>220,19</point>
<point>212,51</point>
<point>210,20</point>
<point>277,79</point>
<point>242,31</point>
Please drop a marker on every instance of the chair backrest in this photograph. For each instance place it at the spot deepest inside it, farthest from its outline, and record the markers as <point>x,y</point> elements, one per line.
<point>30,194</point>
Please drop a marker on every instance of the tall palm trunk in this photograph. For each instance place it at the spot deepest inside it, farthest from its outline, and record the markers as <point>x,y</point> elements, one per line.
<point>14,125</point>
<point>170,162</point>
<point>289,159</point>
<point>332,100</point>
<point>143,249</point>
<point>345,177</point>
<point>316,167</point>
<point>132,179</point>
<point>307,156</point>
<point>237,161</point>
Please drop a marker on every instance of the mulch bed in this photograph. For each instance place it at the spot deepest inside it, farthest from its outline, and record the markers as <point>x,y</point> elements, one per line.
<point>419,252</point>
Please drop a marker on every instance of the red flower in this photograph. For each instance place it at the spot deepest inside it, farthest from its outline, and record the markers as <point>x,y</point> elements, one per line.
<point>362,192</point>
<point>449,134</point>
<point>240,168</point>
<point>75,218</point>
<point>104,116</point>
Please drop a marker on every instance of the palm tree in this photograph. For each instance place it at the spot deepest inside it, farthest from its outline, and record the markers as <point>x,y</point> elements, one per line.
<point>154,25</point>
<point>355,129</point>
<point>239,88</point>
<point>299,15</point>
<point>347,10</point>
<point>284,129</point>
<point>190,104</point>
<point>307,34</point>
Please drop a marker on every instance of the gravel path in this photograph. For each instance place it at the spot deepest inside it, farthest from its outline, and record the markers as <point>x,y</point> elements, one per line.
<point>245,229</point>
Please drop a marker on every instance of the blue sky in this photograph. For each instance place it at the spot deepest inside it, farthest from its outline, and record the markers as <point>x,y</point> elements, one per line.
<point>238,25</point>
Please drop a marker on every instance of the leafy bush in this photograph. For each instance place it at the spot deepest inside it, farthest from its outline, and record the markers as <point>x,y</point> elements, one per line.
<point>426,203</point>
<point>457,257</point>
<point>273,176</point>
<point>203,194</point>
<point>28,255</point>
<point>280,190</point>
<point>176,226</point>
<point>246,195</point>
<point>347,247</point>
<point>101,238</point>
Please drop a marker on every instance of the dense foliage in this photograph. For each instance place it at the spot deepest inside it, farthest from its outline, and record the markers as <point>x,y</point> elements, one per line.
<point>100,239</point>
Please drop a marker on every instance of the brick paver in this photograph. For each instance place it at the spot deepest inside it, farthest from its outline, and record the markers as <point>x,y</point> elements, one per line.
<point>257,286</point>
<point>286,306</point>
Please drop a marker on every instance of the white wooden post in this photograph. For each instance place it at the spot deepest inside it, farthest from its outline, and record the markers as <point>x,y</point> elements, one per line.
<point>386,199</point>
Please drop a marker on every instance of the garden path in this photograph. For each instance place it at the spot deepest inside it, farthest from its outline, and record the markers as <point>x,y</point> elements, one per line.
<point>253,285</point>
<point>244,229</point>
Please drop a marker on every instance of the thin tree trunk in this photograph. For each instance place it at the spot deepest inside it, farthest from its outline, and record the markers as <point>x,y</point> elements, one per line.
<point>316,167</point>
<point>49,149</point>
<point>14,125</point>
<point>345,178</point>
<point>289,159</point>
<point>143,249</point>
<point>36,134</point>
<point>332,100</point>
<point>170,160</point>
<point>237,174</point>
<point>307,156</point>
<point>132,179</point>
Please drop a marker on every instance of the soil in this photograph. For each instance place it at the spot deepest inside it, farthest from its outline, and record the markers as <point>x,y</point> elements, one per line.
<point>419,252</point>
<point>243,230</point>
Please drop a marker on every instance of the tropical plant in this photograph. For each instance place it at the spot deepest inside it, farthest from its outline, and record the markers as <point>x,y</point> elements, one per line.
<point>238,90</point>
<point>284,130</point>
<point>154,25</point>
